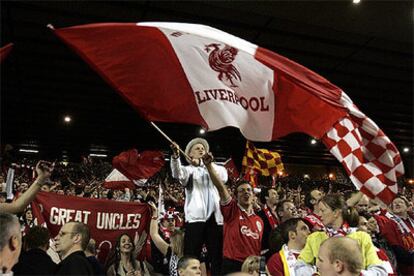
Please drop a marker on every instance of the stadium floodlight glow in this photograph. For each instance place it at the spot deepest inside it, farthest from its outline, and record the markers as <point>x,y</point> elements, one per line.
<point>202,131</point>
<point>306,176</point>
<point>406,149</point>
<point>331,176</point>
<point>313,142</point>
<point>411,181</point>
<point>356,1</point>
<point>28,150</point>
<point>67,119</point>
<point>98,155</point>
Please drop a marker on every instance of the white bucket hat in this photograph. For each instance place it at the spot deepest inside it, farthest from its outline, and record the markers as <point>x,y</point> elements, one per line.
<point>194,142</point>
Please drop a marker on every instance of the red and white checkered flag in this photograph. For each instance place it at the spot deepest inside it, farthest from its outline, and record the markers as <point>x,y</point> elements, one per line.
<point>371,160</point>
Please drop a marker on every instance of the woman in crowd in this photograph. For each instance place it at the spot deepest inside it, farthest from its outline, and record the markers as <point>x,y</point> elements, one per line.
<point>251,265</point>
<point>27,221</point>
<point>122,259</point>
<point>174,250</point>
<point>339,220</point>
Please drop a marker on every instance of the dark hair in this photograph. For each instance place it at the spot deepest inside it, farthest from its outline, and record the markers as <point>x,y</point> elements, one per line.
<point>308,199</point>
<point>37,236</point>
<point>91,247</point>
<point>241,182</point>
<point>279,207</point>
<point>82,229</point>
<point>280,235</point>
<point>114,256</point>
<point>184,260</point>
<point>366,215</point>
<point>337,202</point>
<point>265,193</point>
<point>23,217</point>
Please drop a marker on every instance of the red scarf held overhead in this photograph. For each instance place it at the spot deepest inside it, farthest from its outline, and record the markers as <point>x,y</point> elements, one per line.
<point>272,220</point>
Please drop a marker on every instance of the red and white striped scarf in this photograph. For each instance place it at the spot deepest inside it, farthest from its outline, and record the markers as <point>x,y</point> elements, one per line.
<point>270,217</point>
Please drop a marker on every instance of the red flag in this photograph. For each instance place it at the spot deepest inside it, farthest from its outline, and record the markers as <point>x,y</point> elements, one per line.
<point>231,168</point>
<point>196,74</point>
<point>4,51</point>
<point>136,166</point>
<point>117,181</point>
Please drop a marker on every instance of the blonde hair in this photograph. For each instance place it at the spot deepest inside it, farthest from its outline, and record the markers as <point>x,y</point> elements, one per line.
<point>177,243</point>
<point>346,250</point>
<point>252,264</point>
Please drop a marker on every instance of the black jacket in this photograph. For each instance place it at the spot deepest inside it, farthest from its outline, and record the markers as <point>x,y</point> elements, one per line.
<point>75,264</point>
<point>34,262</point>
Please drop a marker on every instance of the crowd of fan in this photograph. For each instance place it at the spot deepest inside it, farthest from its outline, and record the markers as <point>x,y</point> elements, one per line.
<point>295,227</point>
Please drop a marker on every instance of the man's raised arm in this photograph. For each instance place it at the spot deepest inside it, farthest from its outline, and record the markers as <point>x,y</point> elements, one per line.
<point>223,192</point>
<point>44,171</point>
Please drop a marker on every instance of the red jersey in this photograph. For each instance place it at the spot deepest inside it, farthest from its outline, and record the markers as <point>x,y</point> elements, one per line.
<point>242,232</point>
<point>400,233</point>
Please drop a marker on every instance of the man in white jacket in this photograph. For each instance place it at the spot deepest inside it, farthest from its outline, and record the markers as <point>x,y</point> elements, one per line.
<point>203,218</point>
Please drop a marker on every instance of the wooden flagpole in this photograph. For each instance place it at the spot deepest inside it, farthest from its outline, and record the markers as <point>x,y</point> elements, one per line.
<point>169,139</point>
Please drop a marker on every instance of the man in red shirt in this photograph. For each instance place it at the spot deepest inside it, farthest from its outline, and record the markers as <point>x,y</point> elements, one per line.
<point>399,233</point>
<point>243,229</point>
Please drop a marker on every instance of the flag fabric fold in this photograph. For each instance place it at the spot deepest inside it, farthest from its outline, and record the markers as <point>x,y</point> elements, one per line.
<point>189,73</point>
<point>220,80</point>
<point>117,181</point>
<point>231,168</point>
<point>371,160</point>
<point>136,166</point>
<point>5,51</point>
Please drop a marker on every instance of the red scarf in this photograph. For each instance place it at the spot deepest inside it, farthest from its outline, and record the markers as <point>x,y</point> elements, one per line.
<point>272,220</point>
<point>341,232</point>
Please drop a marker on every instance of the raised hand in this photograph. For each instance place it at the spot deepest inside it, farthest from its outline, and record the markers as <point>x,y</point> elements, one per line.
<point>44,170</point>
<point>176,149</point>
<point>208,158</point>
<point>153,207</point>
<point>139,241</point>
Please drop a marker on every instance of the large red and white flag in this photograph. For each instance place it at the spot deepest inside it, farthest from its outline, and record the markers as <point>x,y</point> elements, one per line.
<point>188,73</point>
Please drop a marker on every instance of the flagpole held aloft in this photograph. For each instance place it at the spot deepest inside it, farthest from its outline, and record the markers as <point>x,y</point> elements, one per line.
<point>169,139</point>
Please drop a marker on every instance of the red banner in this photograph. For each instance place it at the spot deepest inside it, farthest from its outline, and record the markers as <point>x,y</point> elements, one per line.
<point>106,219</point>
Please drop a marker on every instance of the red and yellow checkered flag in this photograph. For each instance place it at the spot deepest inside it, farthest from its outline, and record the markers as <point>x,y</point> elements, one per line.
<point>261,161</point>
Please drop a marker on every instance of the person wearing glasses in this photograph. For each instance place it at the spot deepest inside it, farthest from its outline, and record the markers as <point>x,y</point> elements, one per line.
<point>243,229</point>
<point>70,244</point>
